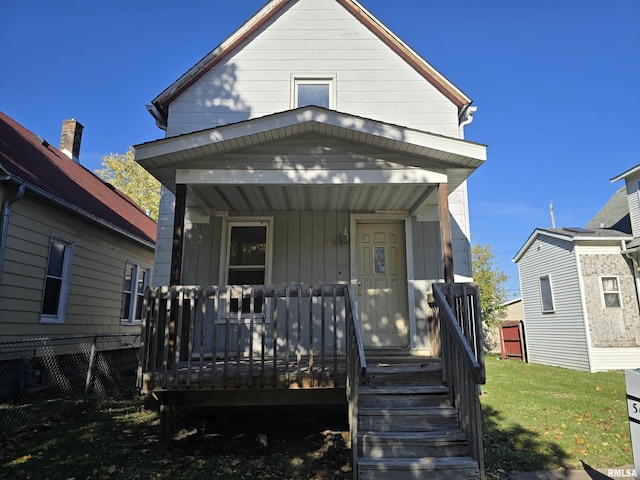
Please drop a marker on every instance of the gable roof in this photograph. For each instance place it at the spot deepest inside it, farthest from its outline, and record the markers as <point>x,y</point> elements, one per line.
<point>27,159</point>
<point>614,214</point>
<point>159,105</point>
<point>573,234</point>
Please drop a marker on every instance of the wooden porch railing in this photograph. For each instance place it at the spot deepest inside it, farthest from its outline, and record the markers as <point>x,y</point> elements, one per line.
<point>250,336</point>
<point>457,307</point>
<point>356,372</point>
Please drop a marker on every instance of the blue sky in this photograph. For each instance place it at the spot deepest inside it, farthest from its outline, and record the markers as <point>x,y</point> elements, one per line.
<point>555,82</point>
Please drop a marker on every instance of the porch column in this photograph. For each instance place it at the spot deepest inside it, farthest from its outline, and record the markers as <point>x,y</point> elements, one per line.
<point>445,232</point>
<point>178,234</point>
<point>176,275</point>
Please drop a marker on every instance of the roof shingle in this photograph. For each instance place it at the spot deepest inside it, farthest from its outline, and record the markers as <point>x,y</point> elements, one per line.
<point>26,156</point>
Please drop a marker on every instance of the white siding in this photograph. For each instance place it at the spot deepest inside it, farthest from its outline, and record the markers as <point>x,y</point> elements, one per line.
<point>313,37</point>
<point>633,196</point>
<point>603,359</point>
<point>164,239</point>
<point>556,338</point>
<point>97,273</point>
<point>305,246</point>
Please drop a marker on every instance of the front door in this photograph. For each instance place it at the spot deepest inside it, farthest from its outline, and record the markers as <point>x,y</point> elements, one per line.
<point>382,284</point>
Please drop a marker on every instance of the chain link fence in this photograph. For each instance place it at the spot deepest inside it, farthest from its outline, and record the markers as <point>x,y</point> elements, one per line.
<point>38,376</point>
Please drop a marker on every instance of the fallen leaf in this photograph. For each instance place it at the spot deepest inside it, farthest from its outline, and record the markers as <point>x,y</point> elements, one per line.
<point>598,389</point>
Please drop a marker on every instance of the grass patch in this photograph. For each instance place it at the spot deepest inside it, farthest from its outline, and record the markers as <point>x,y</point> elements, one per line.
<point>534,417</point>
<point>539,417</point>
<point>119,440</point>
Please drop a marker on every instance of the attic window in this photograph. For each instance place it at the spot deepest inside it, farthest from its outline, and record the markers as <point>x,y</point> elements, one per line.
<point>313,91</point>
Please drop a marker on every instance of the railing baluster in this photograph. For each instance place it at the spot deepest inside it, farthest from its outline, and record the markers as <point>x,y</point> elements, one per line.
<point>299,340</point>
<point>240,292</point>
<point>226,337</point>
<point>263,335</point>
<point>335,333</point>
<point>203,321</point>
<point>311,382</point>
<point>275,337</point>
<point>215,331</point>
<point>252,299</point>
<point>286,335</point>
<point>191,318</point>
<point>165,351</point>
<point>323,335</point>
<point>178,338</point>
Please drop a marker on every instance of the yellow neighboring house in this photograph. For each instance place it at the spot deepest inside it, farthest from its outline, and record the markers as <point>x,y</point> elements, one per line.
<point>75,254</point>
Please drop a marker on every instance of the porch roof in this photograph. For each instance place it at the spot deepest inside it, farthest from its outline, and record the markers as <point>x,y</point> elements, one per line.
<point>286,160</point>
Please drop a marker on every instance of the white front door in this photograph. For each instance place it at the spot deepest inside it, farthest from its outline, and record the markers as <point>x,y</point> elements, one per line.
<point>382,284</point>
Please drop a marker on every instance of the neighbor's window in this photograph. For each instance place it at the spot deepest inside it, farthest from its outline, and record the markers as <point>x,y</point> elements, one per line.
<point>546,293</point>
<point>313,91</point>
<point>136,279</point>
<point>247,259</point>
<point>56,284</point>
<point>610,292</point>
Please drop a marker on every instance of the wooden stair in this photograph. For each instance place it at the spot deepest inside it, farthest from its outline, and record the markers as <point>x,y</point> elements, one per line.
<point>407,427</point>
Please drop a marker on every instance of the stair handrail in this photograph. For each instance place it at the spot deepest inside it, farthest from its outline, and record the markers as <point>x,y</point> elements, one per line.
<point>356,370</point>
<point>462,368</point>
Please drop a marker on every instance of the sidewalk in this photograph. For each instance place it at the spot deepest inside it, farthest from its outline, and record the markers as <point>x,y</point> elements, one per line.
<point>613,473</point>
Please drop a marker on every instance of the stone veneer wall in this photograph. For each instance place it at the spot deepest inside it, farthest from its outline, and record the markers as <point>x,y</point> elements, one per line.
<point>610,327</point>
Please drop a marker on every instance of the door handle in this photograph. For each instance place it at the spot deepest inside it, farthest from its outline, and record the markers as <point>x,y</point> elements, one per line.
<point>359,283</point>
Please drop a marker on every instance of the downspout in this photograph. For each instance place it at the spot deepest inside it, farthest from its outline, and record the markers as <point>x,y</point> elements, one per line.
<point>6,210</point>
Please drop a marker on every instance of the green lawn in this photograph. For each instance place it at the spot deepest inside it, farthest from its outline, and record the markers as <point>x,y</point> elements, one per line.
<point>537,417</point>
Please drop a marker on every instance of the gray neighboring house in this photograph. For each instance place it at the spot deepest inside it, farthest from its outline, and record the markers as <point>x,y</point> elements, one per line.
<point>579,288</point>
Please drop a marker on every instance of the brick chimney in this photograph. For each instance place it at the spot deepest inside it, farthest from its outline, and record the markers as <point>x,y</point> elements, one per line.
<point>70,139</point>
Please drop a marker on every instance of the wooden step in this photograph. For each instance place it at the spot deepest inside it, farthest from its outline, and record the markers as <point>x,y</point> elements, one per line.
<point>403,390</point>
<point>409,419</point>
<point>388,397</point>
<point>449,443</point>
<point>433,468</point>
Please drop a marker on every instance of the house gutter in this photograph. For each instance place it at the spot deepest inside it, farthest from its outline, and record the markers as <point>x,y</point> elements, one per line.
<point>6,211</point>
<point>75,209</point>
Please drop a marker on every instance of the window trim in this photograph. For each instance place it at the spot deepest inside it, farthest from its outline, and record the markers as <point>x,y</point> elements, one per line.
<point>65,280</point>
<point>553,303</point>
<point>227,225</point>
<point>603,292</point>
<point>135,297</point>
<point>298,79</point>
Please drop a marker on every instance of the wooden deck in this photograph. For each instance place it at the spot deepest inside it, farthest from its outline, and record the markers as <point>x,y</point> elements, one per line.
<point>301,345</point>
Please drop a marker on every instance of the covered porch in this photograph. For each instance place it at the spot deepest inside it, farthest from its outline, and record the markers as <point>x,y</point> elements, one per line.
<point>301,243</point>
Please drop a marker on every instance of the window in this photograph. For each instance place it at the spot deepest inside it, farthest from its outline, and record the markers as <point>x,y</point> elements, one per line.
<point>136,279</point>
<point>56,284</point>
<point>610,292</point>
<point>248,258</point>
<point>546,293</point>
<point>313,91</point>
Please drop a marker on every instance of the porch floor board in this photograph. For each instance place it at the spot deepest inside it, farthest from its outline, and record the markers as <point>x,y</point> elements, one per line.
<point>249,374</point>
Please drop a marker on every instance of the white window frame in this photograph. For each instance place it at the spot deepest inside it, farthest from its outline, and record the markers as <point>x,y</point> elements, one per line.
<point>135,297</point>
<point>603,292</point>
<point>65,280</point>
<point>553,303</point>
<point>227,225</point>
<point>302,79</point>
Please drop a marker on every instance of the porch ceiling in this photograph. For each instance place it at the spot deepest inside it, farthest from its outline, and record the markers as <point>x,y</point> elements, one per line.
<point>311,159</point>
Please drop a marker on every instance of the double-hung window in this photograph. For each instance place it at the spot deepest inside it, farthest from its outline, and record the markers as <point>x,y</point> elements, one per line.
<point>248,258</point>
<point>610,292</point>
<point>546,294</point>
<point>56,284</point>
<point>136,279</point>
